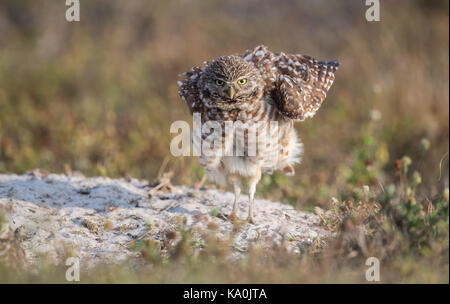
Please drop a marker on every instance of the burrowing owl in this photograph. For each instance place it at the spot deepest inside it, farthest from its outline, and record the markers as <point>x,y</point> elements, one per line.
<point>258,88</point>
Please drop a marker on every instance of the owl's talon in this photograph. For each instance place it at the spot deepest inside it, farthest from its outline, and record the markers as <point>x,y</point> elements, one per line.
<point>250,220</point>
<point>232,217</point>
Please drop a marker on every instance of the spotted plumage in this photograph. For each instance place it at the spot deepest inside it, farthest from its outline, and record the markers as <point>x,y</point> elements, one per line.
<point>262,93</point>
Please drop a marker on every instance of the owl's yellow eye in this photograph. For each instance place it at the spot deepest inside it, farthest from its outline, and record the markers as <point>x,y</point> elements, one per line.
<point>242,81</point>
<point>219,82</point>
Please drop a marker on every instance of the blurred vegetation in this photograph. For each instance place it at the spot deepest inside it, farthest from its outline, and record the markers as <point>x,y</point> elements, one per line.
<point>99,96</point>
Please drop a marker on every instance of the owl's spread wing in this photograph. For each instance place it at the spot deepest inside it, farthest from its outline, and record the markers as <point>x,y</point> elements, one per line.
<point>297,84</point>
<point>189,91</point>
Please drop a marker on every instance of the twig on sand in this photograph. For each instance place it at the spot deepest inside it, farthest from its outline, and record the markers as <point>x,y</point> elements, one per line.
<point>200,184</point>
<point>164,182</point>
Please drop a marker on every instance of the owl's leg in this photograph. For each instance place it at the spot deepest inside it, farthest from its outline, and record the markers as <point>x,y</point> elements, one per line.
<point>253,181</point>
<point>237,192</point>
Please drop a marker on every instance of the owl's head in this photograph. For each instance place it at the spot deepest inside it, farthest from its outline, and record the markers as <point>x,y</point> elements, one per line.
<point>230,82</point>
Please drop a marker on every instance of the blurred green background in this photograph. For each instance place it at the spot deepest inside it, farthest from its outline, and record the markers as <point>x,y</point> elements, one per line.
<point>99,95</point>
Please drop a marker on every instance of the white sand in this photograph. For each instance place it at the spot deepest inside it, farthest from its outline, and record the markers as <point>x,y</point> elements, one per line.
<point>99,217</point>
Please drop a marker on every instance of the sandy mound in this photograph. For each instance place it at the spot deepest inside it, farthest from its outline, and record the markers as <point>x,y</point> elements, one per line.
<point>99,217</point>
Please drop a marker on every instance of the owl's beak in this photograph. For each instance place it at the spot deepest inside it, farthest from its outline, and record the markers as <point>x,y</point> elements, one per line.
<point>231,92</point>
